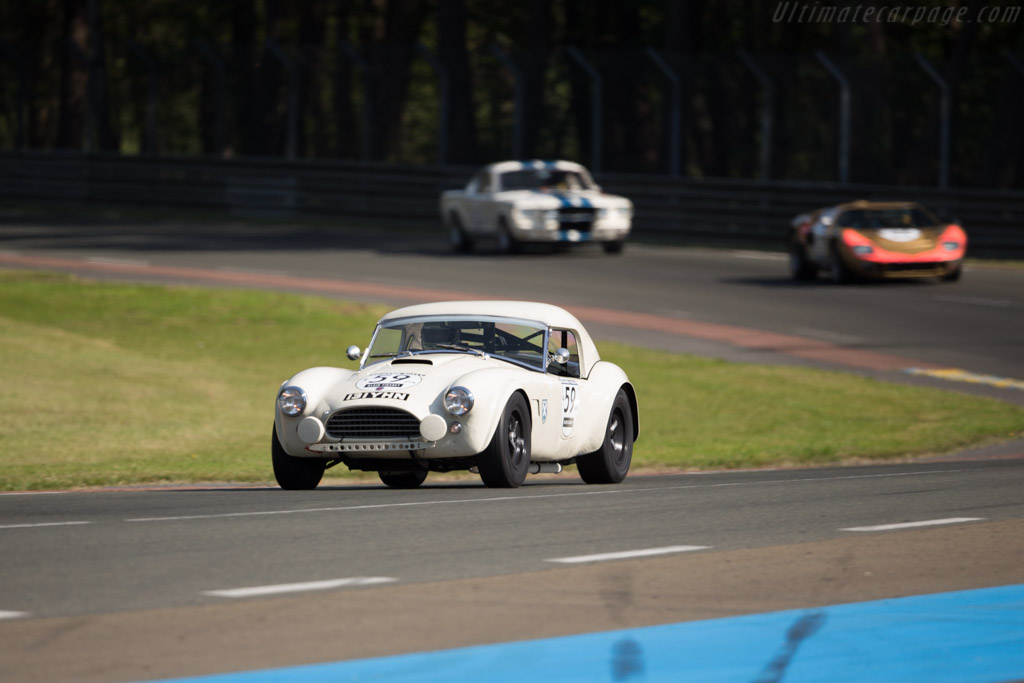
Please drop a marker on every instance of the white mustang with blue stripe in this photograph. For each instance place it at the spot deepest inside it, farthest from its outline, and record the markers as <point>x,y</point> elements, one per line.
<point>535,201</point>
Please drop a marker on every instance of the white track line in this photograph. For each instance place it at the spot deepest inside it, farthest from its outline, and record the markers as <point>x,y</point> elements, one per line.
<point>41,524</point>
<point>528,498</point>
<point>628,554</point>
<point>913,525</point>
<point>256,591</point>
<point>4,614</point>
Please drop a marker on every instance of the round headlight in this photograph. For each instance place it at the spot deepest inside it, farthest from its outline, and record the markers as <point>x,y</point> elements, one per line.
<point>950,246</point>
<point>862,250</point>
<point>291,400</point>
<point>458,401</point>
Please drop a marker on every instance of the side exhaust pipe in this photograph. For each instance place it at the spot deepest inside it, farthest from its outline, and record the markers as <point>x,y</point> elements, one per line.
<point>549,467</point>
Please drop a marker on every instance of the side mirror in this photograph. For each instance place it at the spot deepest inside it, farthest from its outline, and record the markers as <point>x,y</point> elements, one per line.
<point>353,352</point>
<point>561,356</point>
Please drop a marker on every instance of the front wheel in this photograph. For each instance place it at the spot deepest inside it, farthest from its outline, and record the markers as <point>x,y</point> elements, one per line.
<point>838,269</point>
<point>507,458</point>
<point>507,243</point>
<point>295,474</point>
<point>613,247</point>
<point>610,463</point>
<point>800,267</point>
<point>461,243</point>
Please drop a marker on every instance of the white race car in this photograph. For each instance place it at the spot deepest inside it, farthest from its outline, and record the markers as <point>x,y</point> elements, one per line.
<point>501,388</point>
<point>535,201</point>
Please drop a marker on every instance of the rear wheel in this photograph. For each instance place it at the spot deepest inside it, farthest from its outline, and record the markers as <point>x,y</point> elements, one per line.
<point>295,474</point>
<point>613,247</point>
<point>610,463</point>
<point>507,458</point>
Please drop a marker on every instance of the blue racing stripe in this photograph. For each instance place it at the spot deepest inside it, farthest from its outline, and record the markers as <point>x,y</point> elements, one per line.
<point>975,635</point>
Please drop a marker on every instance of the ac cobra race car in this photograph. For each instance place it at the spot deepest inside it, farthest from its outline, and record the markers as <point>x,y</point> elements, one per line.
<point>501,388</point>
<point>553,202</point>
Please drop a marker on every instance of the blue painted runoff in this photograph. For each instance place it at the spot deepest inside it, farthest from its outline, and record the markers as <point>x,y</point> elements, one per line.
<point>973,635</point>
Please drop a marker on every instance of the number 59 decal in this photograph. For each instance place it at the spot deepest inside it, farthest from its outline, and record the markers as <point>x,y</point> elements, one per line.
<point>570,406</point>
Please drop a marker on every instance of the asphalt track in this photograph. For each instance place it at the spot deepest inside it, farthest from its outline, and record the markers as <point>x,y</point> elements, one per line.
<point>143,585</point>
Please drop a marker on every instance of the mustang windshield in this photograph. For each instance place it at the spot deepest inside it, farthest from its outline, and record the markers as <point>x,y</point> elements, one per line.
<point>520,341</point>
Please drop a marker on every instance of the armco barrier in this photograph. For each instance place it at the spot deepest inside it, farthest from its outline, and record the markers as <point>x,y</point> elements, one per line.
<point>686,210</point>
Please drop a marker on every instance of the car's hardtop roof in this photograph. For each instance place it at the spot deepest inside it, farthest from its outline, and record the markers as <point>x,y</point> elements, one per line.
<point>869,205</point>
<point>555,164</point>
<point>548,314</point>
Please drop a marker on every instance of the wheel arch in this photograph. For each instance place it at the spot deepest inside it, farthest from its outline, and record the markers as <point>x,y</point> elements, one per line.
<point>634,408</point>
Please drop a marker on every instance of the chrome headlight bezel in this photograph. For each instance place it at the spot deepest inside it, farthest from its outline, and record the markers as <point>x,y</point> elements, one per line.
<point>458,401</point>
<point>291,401</point>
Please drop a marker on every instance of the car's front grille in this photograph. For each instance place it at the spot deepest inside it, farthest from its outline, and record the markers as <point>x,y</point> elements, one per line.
<point>373,423</point>
<point>576,218</point>
<point>912,267</point>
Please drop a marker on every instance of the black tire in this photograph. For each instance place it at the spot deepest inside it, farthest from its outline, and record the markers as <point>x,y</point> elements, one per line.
<point>295,474</point>
<point>800,267</point>
<point>505,462</point>
<point>408,479</point>
<point>838,269</point>
<point>461,243</point>
<point>953,275</point>
<point>610,463</point>
<point>507,244</point>
<point>614,247</point>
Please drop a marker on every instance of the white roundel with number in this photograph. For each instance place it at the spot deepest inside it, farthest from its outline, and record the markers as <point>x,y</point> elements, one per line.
<point>570,406</point>
<point>389,380</point>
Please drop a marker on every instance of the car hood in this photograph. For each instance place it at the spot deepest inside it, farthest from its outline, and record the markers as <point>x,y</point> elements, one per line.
<point>556,199</point>
<point>903,240</point>
<point>410,381</point>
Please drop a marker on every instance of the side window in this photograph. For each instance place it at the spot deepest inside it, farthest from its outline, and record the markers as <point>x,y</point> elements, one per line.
<point>483,182</point>
<point>564,339</point>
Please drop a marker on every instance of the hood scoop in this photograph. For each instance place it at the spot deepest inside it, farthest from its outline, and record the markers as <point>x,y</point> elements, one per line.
<point>412,361</point>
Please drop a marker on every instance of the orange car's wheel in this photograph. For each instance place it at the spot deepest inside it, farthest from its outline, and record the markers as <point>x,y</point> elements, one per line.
<point>800,267</point>
<point>837,266</point>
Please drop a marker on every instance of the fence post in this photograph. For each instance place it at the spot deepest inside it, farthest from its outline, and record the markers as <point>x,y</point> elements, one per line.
<point>844,115</point>
<point>353,55</point>
<point>945,110</point>
<point>292,135</point>
<point>596,114</point>
<point>213,59</point>
<point>149,136</point>
<point>676,108</point>
<point>442,77</point>
<point>19,107</point>
<point>517,80</point>
<point>767,112</point>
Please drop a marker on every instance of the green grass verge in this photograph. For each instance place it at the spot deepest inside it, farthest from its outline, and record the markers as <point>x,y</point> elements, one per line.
<point>109,384</point>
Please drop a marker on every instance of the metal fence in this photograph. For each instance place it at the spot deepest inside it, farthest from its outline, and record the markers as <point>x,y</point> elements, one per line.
<point>682,210</point>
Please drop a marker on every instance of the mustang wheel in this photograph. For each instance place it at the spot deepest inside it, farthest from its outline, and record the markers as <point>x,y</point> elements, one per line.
<point>507,458</point>
<point>610,463</point>
<point>408,479</point>
<point>295,474</point>
<point>507,244</point>
<point>460,241</point>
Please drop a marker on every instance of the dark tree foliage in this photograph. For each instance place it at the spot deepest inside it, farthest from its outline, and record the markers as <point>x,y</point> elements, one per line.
<point>470,81</point>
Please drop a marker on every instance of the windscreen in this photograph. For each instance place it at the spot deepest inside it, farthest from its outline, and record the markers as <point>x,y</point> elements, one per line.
<point>518,341</point>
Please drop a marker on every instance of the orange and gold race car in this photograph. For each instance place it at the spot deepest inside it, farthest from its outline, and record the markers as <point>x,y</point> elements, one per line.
<point>875,240</point>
